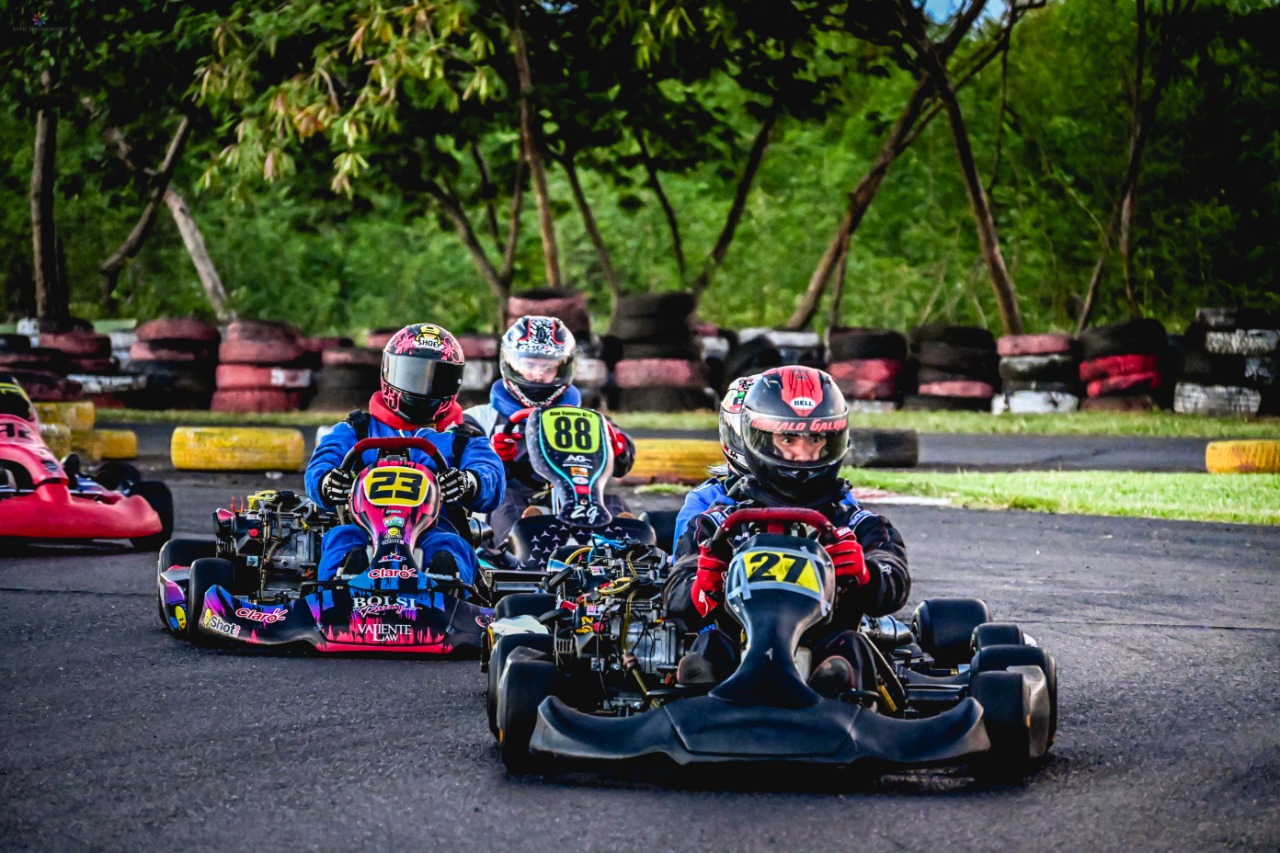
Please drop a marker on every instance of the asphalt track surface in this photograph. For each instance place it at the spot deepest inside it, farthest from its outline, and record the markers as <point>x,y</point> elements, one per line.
<point>117,736</point>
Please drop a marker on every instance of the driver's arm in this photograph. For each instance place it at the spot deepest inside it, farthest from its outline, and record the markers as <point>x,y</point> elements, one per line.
<point>624,450</point>
<point>478,458</point>
<point>328,455</point>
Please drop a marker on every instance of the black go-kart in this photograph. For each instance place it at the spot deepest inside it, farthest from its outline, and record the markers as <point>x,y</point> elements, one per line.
<point>587,673</point>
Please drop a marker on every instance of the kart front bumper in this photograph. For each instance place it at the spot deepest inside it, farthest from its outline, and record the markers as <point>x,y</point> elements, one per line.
<point>51,511</point>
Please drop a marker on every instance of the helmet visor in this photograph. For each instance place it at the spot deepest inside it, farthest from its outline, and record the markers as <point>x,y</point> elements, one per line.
<point>799,443</point>
<point>539,371</point>
<point>423,377</point>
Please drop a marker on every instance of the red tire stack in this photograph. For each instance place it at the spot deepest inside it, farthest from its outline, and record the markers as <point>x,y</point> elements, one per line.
<point>867,364</point>
<point>1039,374</point>
<point>656,360</point>
<point>37,370</point>
<point>662,385</point>
<point>1122,366</point>
<point>178,356</point>
<point>347,379</point>
<point>954,367</point>
<point>261,369</point>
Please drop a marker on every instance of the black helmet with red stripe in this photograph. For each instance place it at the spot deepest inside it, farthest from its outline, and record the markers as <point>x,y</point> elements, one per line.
<point>795,427</point>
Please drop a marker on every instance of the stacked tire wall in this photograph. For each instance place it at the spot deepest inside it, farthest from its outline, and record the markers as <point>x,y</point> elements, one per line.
<point>1123,366</point>
<point>178,355</point>
<point>1039,374</point>
<point>953,368</point>
<point>1230,364</point>
<point>262,368</point>
<point>656,358</point>
<point>867,365</point>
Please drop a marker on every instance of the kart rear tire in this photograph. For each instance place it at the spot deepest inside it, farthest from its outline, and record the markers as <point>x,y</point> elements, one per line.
<point>205,574</point>
<point>998,658</point>
<point>157,494</point>
<point>997,634</point>
<point>1006,709</point>
<point>180,551</point>
<point>944,627</point>
<point>498,662</point>
<point>523,687</point>
<point>524,604</point>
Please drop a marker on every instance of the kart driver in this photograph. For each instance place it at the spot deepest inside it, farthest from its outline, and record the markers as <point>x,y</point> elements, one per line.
<point>536,363</point>
<point>421,377</point>
<point>795,433</point>
<point>724,476</point>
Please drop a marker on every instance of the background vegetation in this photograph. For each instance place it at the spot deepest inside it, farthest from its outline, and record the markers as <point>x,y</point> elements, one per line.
<point>1052,150</point>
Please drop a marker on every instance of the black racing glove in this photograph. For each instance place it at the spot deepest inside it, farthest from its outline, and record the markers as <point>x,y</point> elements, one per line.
<point>335,487</point>
<point>458,486</point>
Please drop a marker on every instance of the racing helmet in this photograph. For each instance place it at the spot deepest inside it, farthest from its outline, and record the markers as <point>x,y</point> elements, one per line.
<point>421,372</point>
<point>735,453</point>
<point>14,400</point>
<point>795,428</point>
<point>537,359</point>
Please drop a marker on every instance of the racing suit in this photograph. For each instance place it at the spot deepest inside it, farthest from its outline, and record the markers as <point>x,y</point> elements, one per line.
<point>476,456</point>
<point>884,551</point>
<point>522,482</point>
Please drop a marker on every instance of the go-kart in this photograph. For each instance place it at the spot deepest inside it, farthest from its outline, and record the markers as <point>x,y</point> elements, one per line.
<point>255,583</point>
<point>569,451</point>
<point>40,500</point>
<point>916,705</point>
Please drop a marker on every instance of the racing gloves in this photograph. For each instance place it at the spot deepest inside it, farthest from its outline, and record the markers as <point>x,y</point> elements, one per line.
<point>457,485</point>
<point>335,487</point>
<point>846,556</point>
<point>506,445</point>
<point>708,583</point>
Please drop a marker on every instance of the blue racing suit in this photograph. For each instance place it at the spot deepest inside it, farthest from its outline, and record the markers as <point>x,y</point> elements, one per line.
<point>710,491</point>
<point>476,456</point>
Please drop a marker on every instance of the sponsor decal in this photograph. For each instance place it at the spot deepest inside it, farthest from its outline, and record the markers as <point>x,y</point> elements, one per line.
<point>215,623</point>
<point>366,605</point>
<point>400,573</point>
<point>266,617</point>
<point>801,388</point>
<point>484,619</point>
<point>579,481</point>
<point>180,616</point>
<point>576,471</point>
<point>577,459</point>
<point>778,425</point>
<point>381,632</point>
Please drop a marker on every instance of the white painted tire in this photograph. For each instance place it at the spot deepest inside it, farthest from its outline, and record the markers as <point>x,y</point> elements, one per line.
<point>1034,403</point>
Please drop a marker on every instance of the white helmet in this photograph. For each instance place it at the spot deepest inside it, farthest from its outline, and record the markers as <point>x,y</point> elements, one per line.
<point>735,451</point>
<point>537,359</point>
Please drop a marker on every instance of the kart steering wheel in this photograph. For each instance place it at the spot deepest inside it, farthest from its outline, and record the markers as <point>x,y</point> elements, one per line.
<point>518,417</point>
<point>414,443</point>
<point>774,517</point>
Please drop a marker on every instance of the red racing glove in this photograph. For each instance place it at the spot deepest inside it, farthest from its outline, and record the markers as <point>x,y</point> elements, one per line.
<point>846,554</point>
<point>708,584</point>
<point>617,439</point>
<point>506,445</point>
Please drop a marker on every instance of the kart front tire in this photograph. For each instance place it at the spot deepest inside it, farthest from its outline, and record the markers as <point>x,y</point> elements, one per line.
<point>997,634</point>
<point>179,551</point>
<point>524,604</point>
<point>498,662</point>
<point>1000,658</point>
<point>158,496</point>
<point>206,573</point>
<point>113,474</point>
<point>523,687</point>
<point>944,627</point>
<point>1006,711</point>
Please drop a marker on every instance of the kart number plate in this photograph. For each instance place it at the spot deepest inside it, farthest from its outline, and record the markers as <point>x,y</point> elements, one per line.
<point>569,430</point>
<point>395,486</point>
<point>781,567</point>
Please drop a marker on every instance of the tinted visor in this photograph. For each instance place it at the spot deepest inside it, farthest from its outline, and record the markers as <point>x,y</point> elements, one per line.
<point>538,371</point>
<point>797,444</point>
<point>422,377</point>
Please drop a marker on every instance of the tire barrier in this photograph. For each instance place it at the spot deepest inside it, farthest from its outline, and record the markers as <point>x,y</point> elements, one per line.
<point>78,417</point>
<point>261,369</point>
<point>867,379</point>
<point>660,373</point>
<point>652,326</point>
<point>662,399</point>
<point>857,344</point>
<point>569,306</point>
<point>951,368</point>
<point>43,386</point>
<point>1033,402</point>
<point>116,443</point>
<point>57,438</point>
<point>1125,360</point>
<point>348,376</point>
<point>177,355</point>
<point>1242,457</point>
<point>674,460</point>
<point>883,448</point>
<point>1044,344</point>
<point>237,449</point>
<point>1229,364</point>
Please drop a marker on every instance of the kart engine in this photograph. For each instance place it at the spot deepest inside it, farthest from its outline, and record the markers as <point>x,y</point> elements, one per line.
<point>273,533</point>
<point>618,623</point>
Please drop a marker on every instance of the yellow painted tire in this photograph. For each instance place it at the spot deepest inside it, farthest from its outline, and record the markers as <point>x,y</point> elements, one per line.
<point>117,444</point>
<point>236,449</point>
<point>680,460</point>
<point>1243,457</point>
<point>78,416</point>
<point>84,442</point>
<point>57,437</point>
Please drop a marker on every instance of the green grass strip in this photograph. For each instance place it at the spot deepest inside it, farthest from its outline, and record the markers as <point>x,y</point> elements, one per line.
<point>1243,498</point>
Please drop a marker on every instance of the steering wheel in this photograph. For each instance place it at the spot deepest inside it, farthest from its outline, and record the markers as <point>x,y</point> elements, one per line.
<point>517,419</point>
<point>397,443</point>
<point>775,520</point>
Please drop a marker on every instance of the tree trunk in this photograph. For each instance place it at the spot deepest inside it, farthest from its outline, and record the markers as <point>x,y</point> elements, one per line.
<point>530,142</point>
<point>837,290</point>
<point>113,265</point>
<point>53,299</point>
<point>677,244</point>
<point>449,203</point>
<point>716,258</point>
<point>205,269</point>
<point>593,231</point>
<point>859,200</point>
<point>988,237</point>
